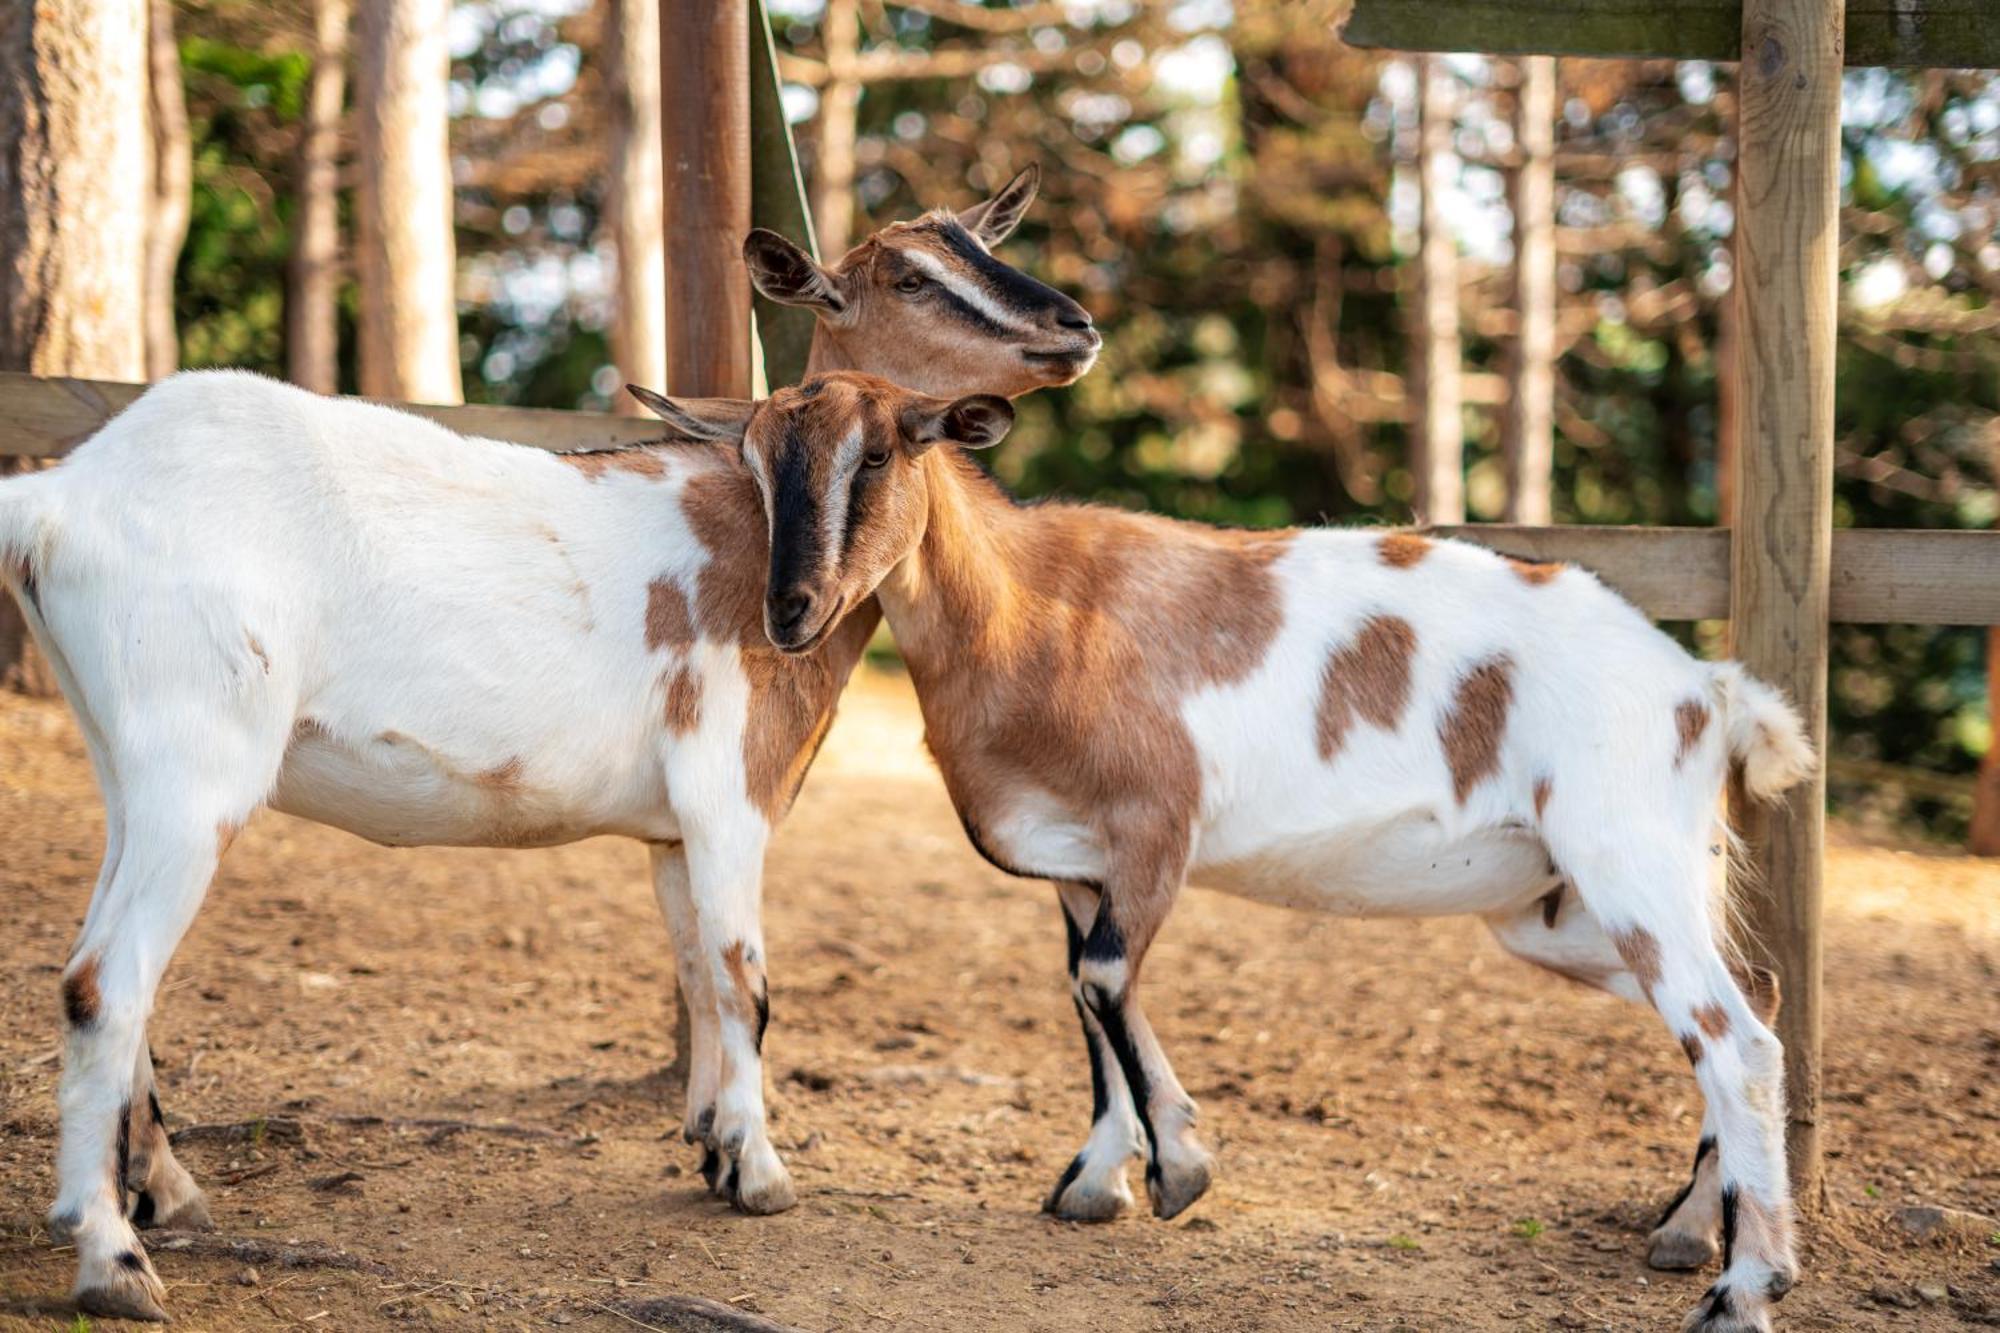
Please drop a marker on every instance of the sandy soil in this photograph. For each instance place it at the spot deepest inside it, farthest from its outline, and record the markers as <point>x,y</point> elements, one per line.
<point>1414,1131</point>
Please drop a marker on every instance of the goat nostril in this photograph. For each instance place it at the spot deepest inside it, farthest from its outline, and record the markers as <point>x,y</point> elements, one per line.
<point>1078,320</point>
<point>788,609</point>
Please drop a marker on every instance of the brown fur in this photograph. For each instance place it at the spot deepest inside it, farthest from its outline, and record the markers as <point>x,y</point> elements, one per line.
<point>1471,732</point>
<point>1542,787</point>
<point>683,701</point>
<point>1691,1044</point>
<point>1760,988</point>
<point>1711,1019</point>
<point>639,460</point>
<point>1367,679</point>
<point>1401,550</point>
<point>81,1001</point>
<point>1533,573</point>
<point>791,698</point>
<point>1641,952</point>
<point>1690,721</point>
<point>669,624</point>
<point>502,779</point>
<point>257,651</point>
<point>742,997</point>
<point>1036,655</point>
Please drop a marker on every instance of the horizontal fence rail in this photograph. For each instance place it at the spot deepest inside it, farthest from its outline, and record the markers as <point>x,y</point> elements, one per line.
<point>1879,577</point>
<point>1883,576</point>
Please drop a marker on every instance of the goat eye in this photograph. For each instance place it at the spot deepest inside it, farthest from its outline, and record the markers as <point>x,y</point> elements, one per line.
<point>875,458</point>
<point>913,283</point>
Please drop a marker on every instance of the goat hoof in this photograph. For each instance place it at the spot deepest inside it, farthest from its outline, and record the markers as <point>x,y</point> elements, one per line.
<point>1725,1310</point>
<point>190,1216</point>
<point>1080,1197</point>
<point>695,1128</point>
<point>771,1196</point>
<point>1673,1251</point>
<point>711,1169</point>
<point>126,1288</point>
<point>1174,1187</point>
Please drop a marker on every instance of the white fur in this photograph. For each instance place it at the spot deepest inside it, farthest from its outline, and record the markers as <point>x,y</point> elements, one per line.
<point>253,595</point>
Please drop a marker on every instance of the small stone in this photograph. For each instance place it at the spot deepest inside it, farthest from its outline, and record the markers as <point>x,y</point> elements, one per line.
<point>248,1278</point>
<point>1893,1294</point>
<point>1931,1293</point>
<point>1926,1222</point>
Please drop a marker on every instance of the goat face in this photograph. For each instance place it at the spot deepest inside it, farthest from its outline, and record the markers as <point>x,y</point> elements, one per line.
<point>838,463</point>
<point>926,303</point>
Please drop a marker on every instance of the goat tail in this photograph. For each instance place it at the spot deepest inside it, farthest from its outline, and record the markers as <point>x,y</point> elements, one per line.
<point>1765,735</point>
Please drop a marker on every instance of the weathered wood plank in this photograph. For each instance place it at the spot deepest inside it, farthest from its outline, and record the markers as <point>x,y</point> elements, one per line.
<point>1958,34</point>
<point>1878,577</point>
<point>1787,239</point>
<point>705,127</point>
<point>777,201</point>
<point>46,418</point>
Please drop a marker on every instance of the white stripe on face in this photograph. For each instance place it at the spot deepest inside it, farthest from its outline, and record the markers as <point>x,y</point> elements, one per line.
<point>969,292</point>
<point>833,508</point>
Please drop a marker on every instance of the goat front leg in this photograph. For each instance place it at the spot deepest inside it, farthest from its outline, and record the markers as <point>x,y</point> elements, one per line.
<point>1093,1186</point>
<point>1136,899</point>
<point>725,862</point>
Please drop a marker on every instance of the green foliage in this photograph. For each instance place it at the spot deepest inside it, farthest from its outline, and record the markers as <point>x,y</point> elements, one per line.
<point>1527,1228</point>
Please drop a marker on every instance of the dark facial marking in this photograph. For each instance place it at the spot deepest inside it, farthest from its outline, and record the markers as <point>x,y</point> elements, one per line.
<point>796,545</point>
<point>1005,284</point>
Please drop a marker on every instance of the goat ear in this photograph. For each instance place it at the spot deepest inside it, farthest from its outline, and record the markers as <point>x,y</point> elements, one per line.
<point>978,422</point>
<point>788,275</point>
<point>706,420</point>
<point>993,221</point>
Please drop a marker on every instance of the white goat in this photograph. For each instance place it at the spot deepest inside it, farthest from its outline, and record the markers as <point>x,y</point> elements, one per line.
<point>1366,723</point>
<point>254,596</point>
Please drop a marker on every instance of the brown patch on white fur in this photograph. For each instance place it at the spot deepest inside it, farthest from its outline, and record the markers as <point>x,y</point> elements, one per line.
<point>502,779</point>
<point>1690,721</point>
<point>1542,787</point>
<point>1367,679</point>
<point>683,712</point>
<point>1691,1046</point>
<point>257,651</point>
<point>1641,952</point>
<point>668,621</point>
<point>792,698</point>
<point>1400,550</point>
<point>1533,573</point>
<point>1471,732</point>
<point>639,460</point>
<point>1712,1020</point>
<point>741,998</point>
<point>81,1000</point>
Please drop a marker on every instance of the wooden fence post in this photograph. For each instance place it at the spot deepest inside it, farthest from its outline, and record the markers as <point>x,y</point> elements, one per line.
<point>705,129</point>
<point>1788,232</point>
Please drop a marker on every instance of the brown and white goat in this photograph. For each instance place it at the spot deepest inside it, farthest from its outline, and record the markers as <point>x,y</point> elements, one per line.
<point>1368,723</point>
<point>255,596</point>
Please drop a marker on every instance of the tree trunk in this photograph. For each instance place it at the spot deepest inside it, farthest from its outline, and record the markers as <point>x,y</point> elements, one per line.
<point>638,228</point>
<point>839,107</point>
<point>173,185</point>
<point>1438,432</point>
<point>312,312</point>
<point>1527,433</point>
<point>1984,839</point>
<point>409,311</point>
<point>74,136</point>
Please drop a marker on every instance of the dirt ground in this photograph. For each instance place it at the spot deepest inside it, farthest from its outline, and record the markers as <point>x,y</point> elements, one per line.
<point>1414,1132</point>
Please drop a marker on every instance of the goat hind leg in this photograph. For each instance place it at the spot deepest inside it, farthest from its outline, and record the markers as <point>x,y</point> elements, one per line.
<point>1093,1187</point>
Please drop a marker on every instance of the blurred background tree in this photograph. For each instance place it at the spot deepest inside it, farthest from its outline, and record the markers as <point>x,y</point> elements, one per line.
<point>1235,195</point>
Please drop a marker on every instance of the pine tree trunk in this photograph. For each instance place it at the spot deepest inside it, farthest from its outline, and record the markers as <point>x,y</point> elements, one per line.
<point>408,257</point>
<point>839,107</point>
<point>1527,431</point>
<point>173,185</point>
<point>634,206</point>
<point>312,312</point>
<point>73,137</point>
<point>1438,434</point>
